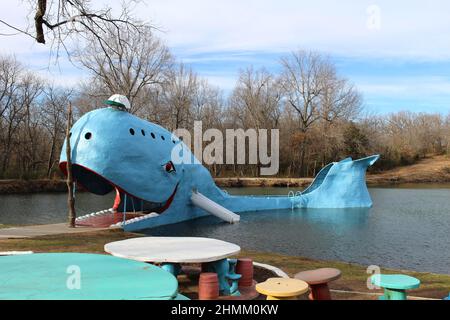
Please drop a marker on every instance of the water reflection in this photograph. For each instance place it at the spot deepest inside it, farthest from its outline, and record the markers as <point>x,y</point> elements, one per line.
<point>406,229</point>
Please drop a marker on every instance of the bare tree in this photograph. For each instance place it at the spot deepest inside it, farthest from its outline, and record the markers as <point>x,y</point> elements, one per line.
<point>10,72</point>
<point>208,104</point>
<point>305,76</point>
<point>178,97</point>
<point>128,65</point>
<point>17,102</point>
<point>304,81</point>
<point>256,99</point>
<point>315,91</point>
<point>64,20</point>
<point>53,119</point>
<point>29,93</point>
<point>340,100</point>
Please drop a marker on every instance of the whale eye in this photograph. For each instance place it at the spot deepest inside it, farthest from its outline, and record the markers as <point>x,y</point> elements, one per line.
<point>169,167</point>
<point>88,135</point>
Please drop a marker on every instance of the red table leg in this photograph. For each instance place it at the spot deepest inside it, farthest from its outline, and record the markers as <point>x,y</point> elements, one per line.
<point>320,292</point>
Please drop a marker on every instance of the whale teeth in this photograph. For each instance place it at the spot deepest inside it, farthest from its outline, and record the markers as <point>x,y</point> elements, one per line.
<point>138,219</point>
<point>94,214</point>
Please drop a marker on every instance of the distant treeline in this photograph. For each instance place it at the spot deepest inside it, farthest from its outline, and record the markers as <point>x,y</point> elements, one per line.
<point>319,113</point>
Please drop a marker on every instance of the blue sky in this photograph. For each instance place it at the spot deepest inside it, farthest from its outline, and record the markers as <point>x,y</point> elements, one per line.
<point>396,52</point>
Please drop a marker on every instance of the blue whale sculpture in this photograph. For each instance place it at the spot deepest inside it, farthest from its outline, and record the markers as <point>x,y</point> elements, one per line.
<point>113,149</point>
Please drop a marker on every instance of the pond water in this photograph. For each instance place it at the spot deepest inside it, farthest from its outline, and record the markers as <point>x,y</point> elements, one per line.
<point>407,228</point>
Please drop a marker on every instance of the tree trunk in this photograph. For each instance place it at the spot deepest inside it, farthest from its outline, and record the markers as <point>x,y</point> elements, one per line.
<point>39,20</point>
<point>302,158</point>
<point>70,197</point>
<point>5,161</point>
<point>50,156</point>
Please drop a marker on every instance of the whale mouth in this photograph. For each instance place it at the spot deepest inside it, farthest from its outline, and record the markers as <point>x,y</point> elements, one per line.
<point>99,185</point>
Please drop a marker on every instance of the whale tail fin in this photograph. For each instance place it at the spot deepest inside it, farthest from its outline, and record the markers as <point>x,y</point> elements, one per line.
<point>341,185</point>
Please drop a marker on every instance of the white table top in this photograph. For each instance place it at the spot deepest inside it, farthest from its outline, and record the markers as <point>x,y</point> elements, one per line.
<point>172,249</point>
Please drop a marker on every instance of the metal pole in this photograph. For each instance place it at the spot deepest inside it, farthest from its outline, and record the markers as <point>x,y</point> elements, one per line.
<point>125,208</point>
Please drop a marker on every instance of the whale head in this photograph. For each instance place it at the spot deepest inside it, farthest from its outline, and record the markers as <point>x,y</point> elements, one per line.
<point>113,149</point>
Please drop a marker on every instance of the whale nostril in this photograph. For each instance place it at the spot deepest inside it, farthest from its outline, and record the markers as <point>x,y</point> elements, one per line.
<point>88,135</point>
<point>132,131</point>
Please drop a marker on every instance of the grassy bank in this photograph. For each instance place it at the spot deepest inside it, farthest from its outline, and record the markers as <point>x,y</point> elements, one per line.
<point>353,279</point>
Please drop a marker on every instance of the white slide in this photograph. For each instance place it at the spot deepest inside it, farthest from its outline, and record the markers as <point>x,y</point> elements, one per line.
<point>214,208</point>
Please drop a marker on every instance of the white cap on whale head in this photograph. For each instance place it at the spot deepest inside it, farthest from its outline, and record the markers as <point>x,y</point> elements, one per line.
<point>119,101</point>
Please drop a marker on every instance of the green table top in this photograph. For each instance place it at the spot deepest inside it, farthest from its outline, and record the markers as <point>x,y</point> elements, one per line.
<point>55,276</point>
<point>395,281</point>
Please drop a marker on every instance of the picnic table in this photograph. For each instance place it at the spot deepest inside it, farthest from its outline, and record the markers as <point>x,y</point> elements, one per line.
<point>75,276</point>
<point>171,252</point>
<point>395,285</point>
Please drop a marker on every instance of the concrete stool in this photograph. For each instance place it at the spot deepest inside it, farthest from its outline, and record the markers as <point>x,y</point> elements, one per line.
<point>395,285</point>
<point>208,286</point>
<point>318,281</point>
<point>282,288</point>
<point>244,267</point>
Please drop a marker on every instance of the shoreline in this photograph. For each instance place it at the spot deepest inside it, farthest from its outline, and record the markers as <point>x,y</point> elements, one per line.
<point>353,281</point>
<point>433,170</point>
<point>18,187</point>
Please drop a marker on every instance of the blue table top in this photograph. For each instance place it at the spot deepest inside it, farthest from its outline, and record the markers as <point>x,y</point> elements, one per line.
<point>395,281</point>
<point>57,276</point>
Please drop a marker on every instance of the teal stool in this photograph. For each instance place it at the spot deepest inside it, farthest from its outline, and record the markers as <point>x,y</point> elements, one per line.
<point>225,270</point>
<point>394,285</point>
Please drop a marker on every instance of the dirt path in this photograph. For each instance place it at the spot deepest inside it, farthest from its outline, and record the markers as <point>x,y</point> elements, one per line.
<point>42,230</point>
